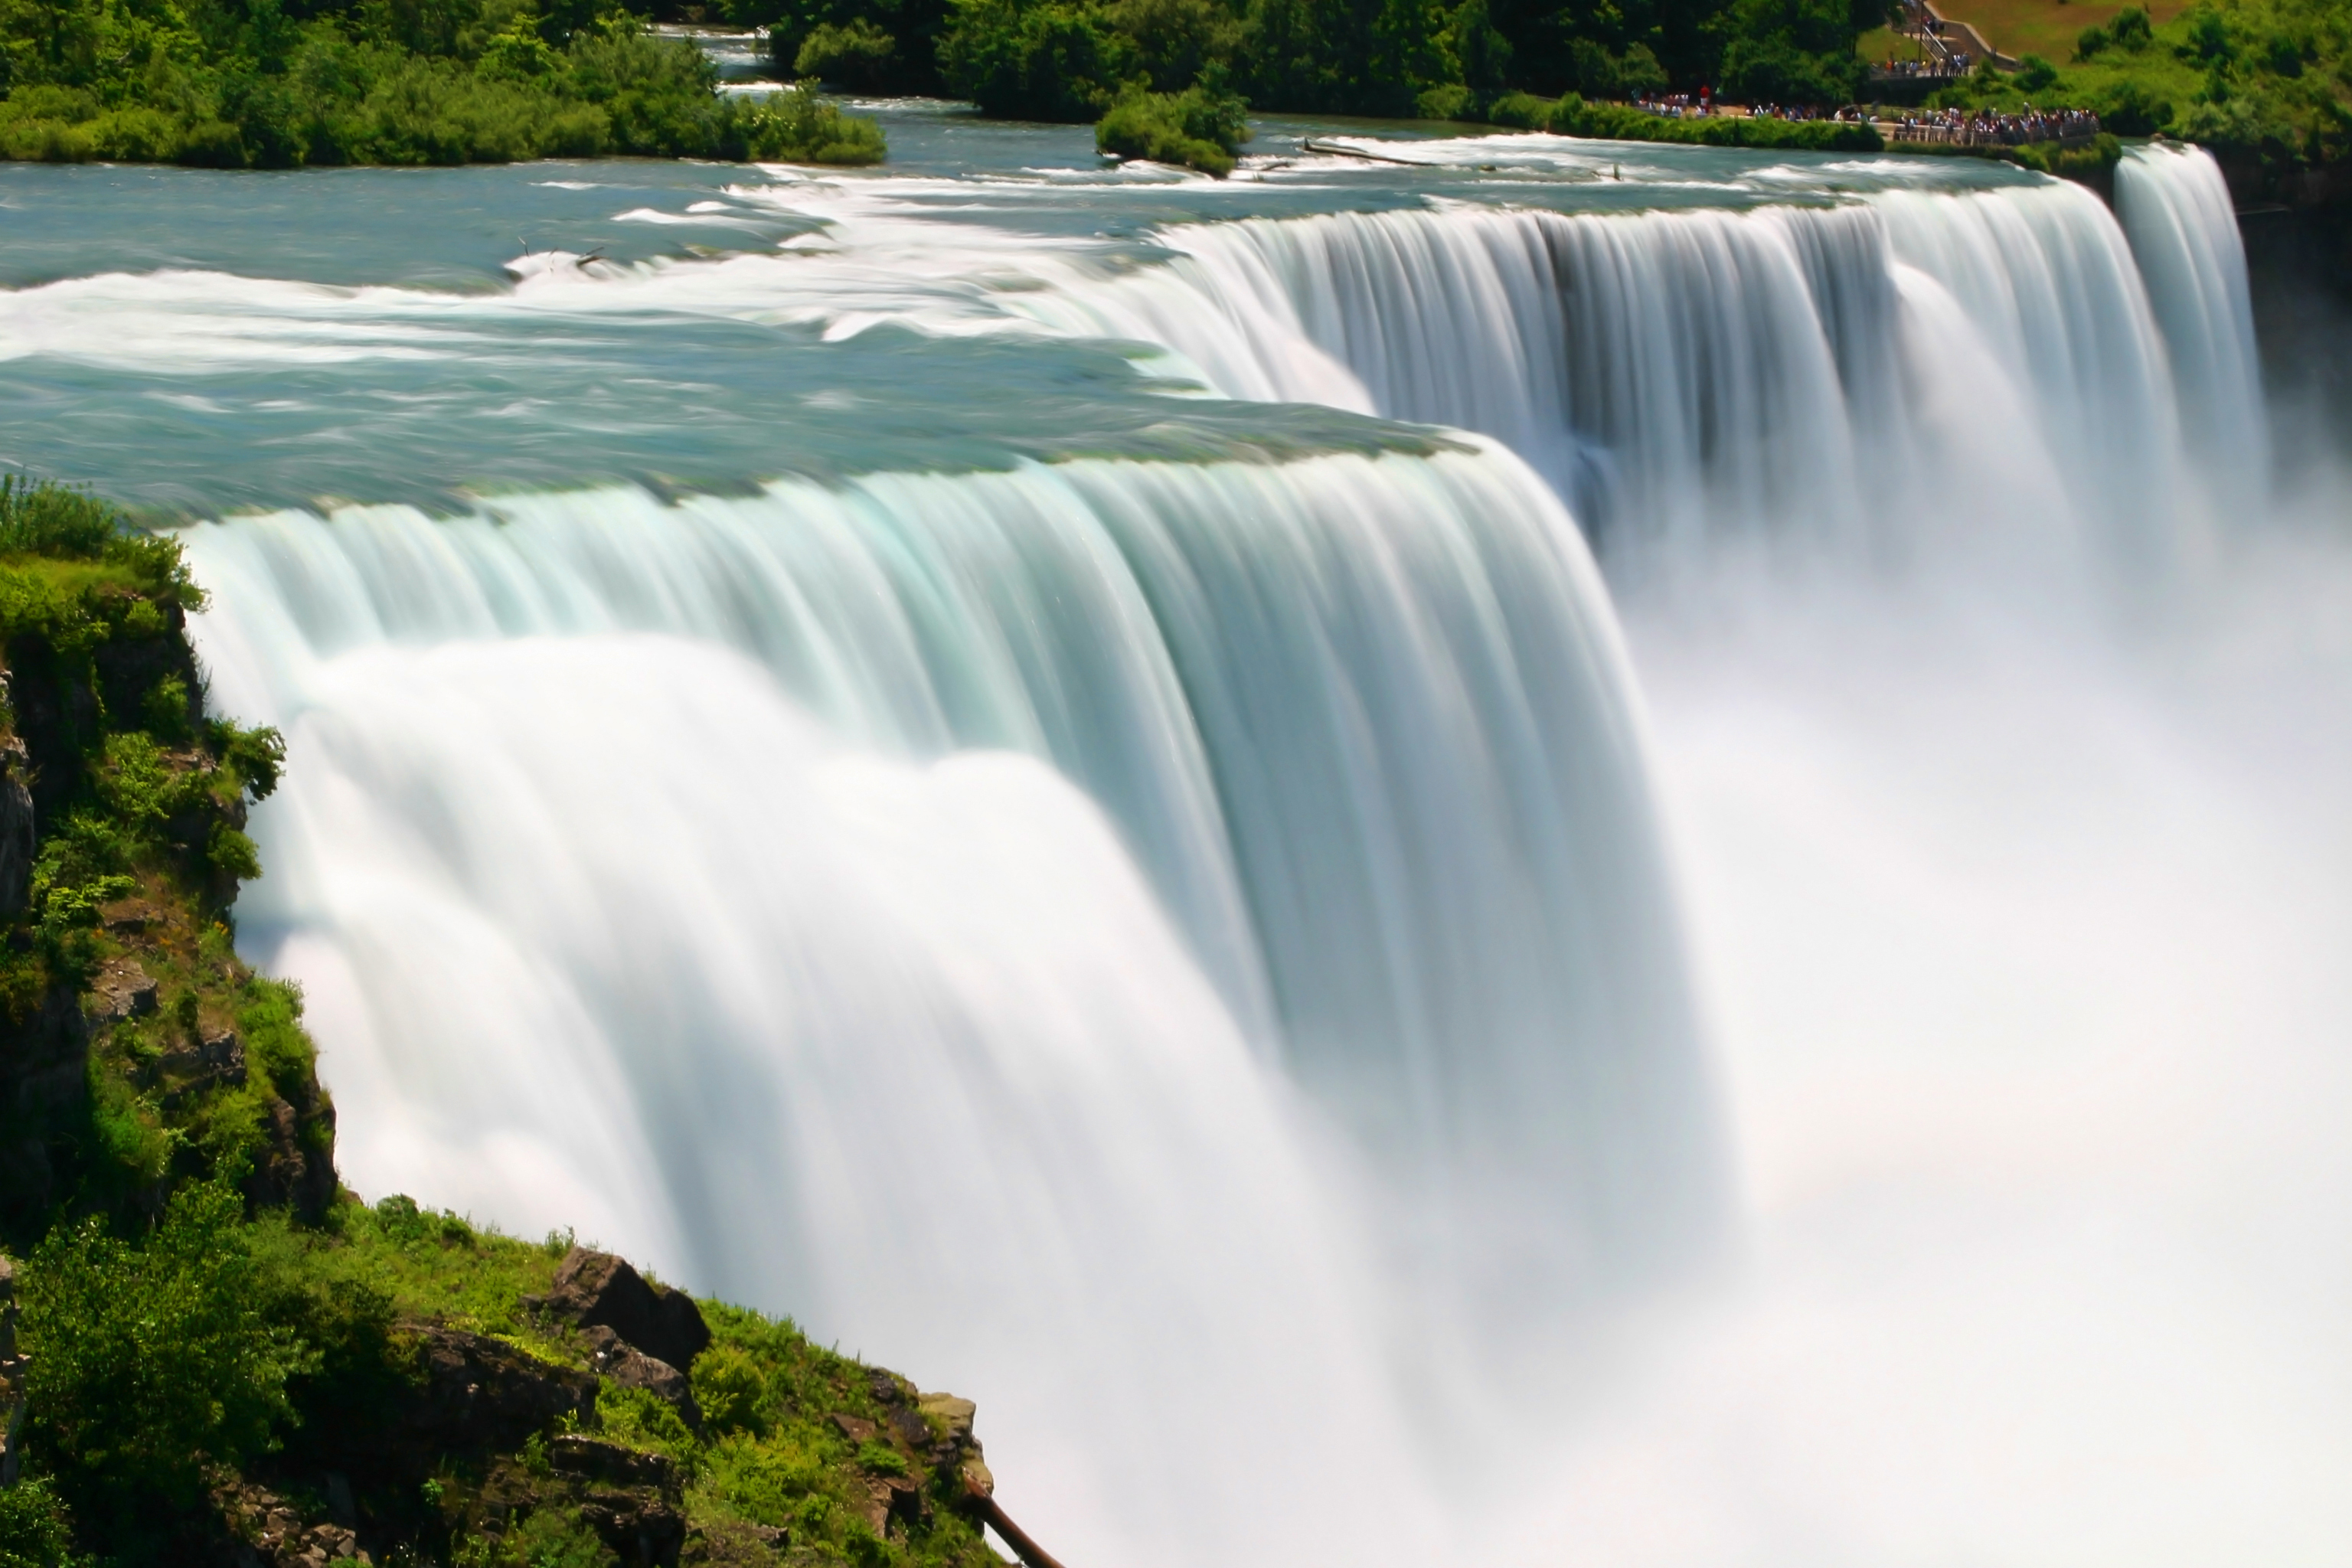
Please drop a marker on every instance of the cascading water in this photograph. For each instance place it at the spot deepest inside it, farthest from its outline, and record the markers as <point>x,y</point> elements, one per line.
<point>1364,720</point>
<point>1147,910</point>
<point>1683,375</point>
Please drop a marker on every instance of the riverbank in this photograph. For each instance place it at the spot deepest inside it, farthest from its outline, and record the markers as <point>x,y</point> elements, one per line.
<point>471,84</point>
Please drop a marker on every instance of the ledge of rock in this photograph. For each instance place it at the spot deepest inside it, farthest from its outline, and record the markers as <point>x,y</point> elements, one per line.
<point>481,1393</point>
<point>597,1289</point>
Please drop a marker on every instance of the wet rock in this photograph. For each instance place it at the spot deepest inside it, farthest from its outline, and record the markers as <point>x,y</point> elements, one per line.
<point>598,1289</point>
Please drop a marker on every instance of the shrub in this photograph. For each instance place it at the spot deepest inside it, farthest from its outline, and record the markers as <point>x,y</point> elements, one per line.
<point>38,518</point>
<point>36,1531</point>
<point>859,55</point>
<point>796,126</point>
<point>1199,128</point>
<point>729,1388</point>
<point>149,1359</point>
<point>1572,116</point>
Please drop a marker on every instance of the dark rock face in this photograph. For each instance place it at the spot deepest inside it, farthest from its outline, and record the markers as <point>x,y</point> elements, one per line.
<point>264,1529</point>
<point>44,1087</point>
<point>610,1462</point>
<point>480,1393</point>
<point>12,1380</point>
<point>598,1289</point>
<point>15,827</point>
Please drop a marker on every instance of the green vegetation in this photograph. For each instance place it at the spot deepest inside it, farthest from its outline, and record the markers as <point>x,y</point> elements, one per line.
<point>1573,116</point>
<point>1074,60</point>
<point>2267,84</point>
<point>2046,28</point>
<point>1199,128</point>
<point>153,1356</point>
<point>279,83</point>
<point>215,1337</point>
<point>796,126</point>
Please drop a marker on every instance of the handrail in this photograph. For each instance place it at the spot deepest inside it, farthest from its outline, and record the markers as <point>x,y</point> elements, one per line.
<point>992,1513</point>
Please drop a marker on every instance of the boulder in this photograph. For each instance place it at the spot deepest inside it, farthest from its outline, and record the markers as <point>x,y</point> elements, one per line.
<point>598,1289</point>
<point>632,1368</point>
<point>121,990</point>
<point>481,1393</point>
<point>599,1460</point>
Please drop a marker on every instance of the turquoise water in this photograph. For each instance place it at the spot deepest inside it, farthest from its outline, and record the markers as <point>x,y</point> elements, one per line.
<point>199,342</point>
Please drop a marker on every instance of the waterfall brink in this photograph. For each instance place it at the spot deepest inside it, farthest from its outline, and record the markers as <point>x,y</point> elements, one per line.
<point>691,872</point>
<point>2175,208</point>
<point>1902,371</point>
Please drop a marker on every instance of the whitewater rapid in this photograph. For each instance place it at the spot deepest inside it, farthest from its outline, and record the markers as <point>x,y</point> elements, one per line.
<point>1182,927</point>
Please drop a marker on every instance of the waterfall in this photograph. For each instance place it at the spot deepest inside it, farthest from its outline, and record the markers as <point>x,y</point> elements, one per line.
<point>938,890</point>
<point>2175,208</point>
<point>1916,364</point>
<point>1178,949</point>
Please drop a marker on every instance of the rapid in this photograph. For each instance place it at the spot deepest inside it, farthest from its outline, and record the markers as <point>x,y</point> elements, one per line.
<point>1583,854</point>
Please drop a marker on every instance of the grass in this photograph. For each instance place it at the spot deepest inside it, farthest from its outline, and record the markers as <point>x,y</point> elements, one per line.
<point>2046,28</point>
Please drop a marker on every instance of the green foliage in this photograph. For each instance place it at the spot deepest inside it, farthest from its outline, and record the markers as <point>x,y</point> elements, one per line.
<point>150,1358</point>
<point>857,55</point>
<point>1571,116</point>
<point>544,1538</point>
<point>1199,128</point>
<point>1072,59</point>
<point>1377,57</point>
<point>642,1420</point>
<point>1792,51</point>
<point>39,519</point>
<point>2267,84</point>
<point>2130,32</point>
<point>730,1388</point>
<point>241,83</point>
<point>36,1530</point>
<point>796,126</point>
<point>1035,59</point>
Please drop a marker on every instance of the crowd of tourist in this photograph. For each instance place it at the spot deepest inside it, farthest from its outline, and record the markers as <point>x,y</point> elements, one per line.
<point>1676,105</point>
<point>1943,68</point>
<point>1966,126</point>
<point>1986,127</point>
